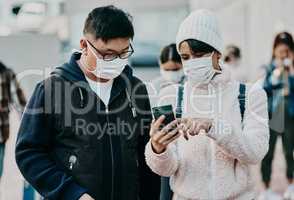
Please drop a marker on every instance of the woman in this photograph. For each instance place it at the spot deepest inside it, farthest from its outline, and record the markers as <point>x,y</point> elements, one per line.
<point>171,73</point>
<point>212,160</point>
<point>279,86</point>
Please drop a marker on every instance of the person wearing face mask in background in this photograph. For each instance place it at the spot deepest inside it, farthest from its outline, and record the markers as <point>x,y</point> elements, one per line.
<point>171,76</point>
<point>84,130</point>
<point>171,73</point>
<point>223,129</point>
<point>279,86</point>
<point>232,58</point>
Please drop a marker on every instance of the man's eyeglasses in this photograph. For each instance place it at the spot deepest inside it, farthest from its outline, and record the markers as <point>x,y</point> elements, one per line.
<point>111,57</point>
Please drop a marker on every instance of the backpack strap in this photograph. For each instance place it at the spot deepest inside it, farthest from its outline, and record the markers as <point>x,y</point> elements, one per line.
<point>242,98</point>
<point>180,95</point>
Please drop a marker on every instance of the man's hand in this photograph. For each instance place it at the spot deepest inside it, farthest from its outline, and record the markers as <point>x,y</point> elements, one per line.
<point>194,126</point>
<point>86,197</point>
<point>161,138</point>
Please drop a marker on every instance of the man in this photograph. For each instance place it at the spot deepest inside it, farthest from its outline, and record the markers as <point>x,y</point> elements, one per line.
<point>10,94</point>
<point>84,130</point>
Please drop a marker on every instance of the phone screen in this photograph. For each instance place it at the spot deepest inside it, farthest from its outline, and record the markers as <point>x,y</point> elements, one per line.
<point>167,111</point>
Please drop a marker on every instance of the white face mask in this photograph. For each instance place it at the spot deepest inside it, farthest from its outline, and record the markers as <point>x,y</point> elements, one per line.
<point>172,76</point>
<point>108,69</point>
<point>200,70</point>
<point>286,62</point>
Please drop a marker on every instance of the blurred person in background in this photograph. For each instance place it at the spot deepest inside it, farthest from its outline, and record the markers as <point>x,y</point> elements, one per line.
<point>85,128</point>
<point>172,75</point>
<point>171,72</point>
<point>224,124</point>
<point>279,86</point>
<point>232,58</point>
<point>10,95</point>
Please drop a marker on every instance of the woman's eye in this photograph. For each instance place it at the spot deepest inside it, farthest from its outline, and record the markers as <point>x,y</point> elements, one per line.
<point>185,58</point>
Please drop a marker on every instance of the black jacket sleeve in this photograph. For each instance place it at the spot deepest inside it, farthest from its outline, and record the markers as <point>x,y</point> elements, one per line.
<point>149,181</point>
<point>32,152</point>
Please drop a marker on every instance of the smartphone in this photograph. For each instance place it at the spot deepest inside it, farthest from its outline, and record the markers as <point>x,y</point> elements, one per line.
<point>167,111</point>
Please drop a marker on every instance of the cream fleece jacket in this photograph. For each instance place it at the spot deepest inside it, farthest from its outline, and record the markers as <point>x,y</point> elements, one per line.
<point>203,167</point>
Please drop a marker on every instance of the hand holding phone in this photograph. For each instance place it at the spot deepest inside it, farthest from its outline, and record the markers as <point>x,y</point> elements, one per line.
<point>164,129</point>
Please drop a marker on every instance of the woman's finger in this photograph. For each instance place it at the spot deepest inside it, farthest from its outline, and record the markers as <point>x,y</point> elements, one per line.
<point>169,135</point>
<point>204,126</point>
<point>185,134</point>
<point>170,126</point>
<point>182,120</point>
<point>172,139</point>
<point>193,127</point>
<point>183,129</point>
<point>158,135</point>
<point>155,125</point>
<point>158,122</point>
<point>152,131</point>
<point>200,126</point>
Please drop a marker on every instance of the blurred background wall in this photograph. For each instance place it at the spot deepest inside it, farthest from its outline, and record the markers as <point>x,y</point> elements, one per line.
<point>249,24</point>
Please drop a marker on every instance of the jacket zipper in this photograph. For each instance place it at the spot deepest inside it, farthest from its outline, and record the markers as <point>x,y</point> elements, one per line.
<point>72,161</point>
<point>111,152</point>
<point>111,149</point>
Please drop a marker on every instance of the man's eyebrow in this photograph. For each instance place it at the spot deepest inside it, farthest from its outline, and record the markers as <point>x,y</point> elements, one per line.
<point>126,48</point>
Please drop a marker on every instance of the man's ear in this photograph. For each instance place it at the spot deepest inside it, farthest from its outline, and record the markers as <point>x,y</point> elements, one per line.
<point>83,45</point>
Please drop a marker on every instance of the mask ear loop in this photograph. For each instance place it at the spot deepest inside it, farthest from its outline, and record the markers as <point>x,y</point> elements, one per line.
<point>84,65</point>
<point>82,50</point>
<point>91,49</point>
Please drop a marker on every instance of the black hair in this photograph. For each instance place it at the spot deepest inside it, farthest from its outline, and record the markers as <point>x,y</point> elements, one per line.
<point>170,53</point>
<point>109,22</point>
<point>199,47</point>
<point>283,38</point>
<point>232,51</point>
<point>2,67</point>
